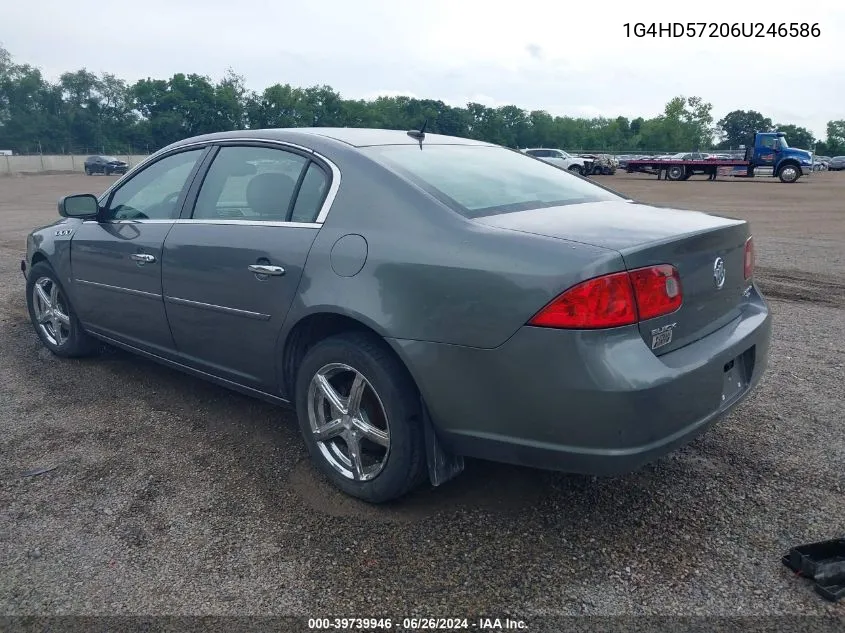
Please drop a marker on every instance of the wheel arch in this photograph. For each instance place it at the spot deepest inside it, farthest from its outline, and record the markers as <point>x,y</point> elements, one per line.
<point>789,161</point>
<point>38,256</point>
<point>316,326</point>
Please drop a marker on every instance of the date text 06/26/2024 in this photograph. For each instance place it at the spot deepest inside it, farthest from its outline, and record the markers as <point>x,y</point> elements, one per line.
<point>722,29</point>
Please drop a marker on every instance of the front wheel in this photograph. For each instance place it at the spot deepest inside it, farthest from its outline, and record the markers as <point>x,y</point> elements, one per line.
<point>359,413</point>
<point>789,173</point>
<point>88,171</point>
<point>53,317</point>
<point>576,169</point>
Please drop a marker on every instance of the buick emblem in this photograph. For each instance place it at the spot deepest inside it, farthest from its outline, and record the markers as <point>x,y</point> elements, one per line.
<point>719,273</point>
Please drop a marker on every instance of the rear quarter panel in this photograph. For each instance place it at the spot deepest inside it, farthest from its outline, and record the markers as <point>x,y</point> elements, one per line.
<point>431,274</point>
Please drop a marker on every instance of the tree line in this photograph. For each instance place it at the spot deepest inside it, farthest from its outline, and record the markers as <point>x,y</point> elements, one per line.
<point>84,111</point>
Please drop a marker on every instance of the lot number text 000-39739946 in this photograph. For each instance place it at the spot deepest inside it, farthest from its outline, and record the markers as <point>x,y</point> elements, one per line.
<point>721,29</point>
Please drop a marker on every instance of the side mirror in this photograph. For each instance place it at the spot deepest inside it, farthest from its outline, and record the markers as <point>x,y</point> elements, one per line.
<point>83,205</point>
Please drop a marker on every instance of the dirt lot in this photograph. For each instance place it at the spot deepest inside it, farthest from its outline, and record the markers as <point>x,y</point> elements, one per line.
<point>171,495</point>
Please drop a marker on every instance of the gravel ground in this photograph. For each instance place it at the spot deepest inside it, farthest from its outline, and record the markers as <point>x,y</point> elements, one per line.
<point>169,495</point>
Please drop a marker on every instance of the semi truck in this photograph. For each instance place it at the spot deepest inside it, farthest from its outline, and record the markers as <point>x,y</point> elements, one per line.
<point>770,150</point>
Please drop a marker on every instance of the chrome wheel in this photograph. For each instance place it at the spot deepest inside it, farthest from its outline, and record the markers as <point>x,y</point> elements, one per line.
<point>51,313</point>
<point>789,173</point>
<point>348,422</point>
<point>676,172</point>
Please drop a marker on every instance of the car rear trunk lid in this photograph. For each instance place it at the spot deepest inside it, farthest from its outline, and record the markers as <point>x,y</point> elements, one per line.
<point>644,235</point>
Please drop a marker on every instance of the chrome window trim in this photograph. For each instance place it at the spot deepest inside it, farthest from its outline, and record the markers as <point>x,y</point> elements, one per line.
<point>324,210</point>
<point>235,222</point>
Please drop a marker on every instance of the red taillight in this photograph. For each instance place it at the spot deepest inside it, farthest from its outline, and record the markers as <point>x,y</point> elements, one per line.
<point>749,257</point>
<point>657,290</point>
<point>606,301</point>
<point>616,299</point>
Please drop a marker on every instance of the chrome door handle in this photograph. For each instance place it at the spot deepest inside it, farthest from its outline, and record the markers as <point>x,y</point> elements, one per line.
<point>261,269</point>
<point>143,257</point>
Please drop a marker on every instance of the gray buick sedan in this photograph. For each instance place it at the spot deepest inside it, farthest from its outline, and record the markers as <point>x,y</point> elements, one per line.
<point>416,298</point>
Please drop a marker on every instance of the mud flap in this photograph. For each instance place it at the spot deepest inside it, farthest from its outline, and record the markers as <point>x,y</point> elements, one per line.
<point>442,465</point>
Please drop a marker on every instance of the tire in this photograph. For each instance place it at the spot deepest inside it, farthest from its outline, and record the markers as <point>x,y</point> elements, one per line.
<point>88,171</point>
<point>71,341</point>
<point>676,172</point>
<point>390,405</point>
<point>789,173</point>
<point>577,169</point>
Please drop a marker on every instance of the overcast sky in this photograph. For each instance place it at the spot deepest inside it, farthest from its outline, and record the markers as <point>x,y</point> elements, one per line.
<point>537,55</point>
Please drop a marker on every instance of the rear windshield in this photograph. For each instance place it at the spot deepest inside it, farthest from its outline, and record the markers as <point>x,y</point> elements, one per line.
<point>481,180</point>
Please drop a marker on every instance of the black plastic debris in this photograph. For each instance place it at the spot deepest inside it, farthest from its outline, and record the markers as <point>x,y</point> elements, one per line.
<point>823,563</point>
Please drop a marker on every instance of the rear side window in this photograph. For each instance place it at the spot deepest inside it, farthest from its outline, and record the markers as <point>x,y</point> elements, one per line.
<point>482,180</point>
<point>312,192</point>
<point>250,183</point>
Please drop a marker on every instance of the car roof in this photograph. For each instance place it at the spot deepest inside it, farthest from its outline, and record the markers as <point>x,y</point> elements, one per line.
<point>356,137</point>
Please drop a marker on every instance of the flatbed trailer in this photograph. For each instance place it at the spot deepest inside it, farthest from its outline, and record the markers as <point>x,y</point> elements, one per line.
<point>769,150</point>
<point>683,169</point>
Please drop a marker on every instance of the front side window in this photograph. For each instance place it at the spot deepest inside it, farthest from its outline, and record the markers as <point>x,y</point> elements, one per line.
<point>261,184</point>
<point>481,180</point>
<point>153,193</point>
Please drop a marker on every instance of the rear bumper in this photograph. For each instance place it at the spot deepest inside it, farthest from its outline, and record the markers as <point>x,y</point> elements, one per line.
<point>588,402</point>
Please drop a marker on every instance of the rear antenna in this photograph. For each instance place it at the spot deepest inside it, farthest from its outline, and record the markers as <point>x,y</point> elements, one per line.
<point>419,134</point>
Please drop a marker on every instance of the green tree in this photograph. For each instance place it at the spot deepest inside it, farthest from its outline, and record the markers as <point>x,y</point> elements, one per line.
<point>835,143</point>
<point>86,110</point>
<point>797,136</point>
<point>738,128</point>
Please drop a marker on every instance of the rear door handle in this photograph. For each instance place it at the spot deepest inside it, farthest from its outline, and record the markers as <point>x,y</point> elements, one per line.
<point>261,269</point>
<point>143,258</point>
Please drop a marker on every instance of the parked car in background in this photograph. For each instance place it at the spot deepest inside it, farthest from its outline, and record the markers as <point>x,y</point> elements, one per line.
<point>107,165</point>
<point>564,160</point>
<point>688,156</point>
<point>481,303</point>
<point>821,163</point>
<point>603,164</point>
<point>837,163</point>
<point>622,160</point>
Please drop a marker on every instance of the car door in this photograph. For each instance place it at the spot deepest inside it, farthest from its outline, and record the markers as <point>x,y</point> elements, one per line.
<point>116,260</point>
<point>562,159</point>
<point>233,266</point>
<point>764,152</point>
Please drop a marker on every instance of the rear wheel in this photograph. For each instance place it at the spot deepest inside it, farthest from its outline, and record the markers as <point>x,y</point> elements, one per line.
<point>359,413</point>
<point>789,173</point>
<point>53,317</point>
<point>675,172</point>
